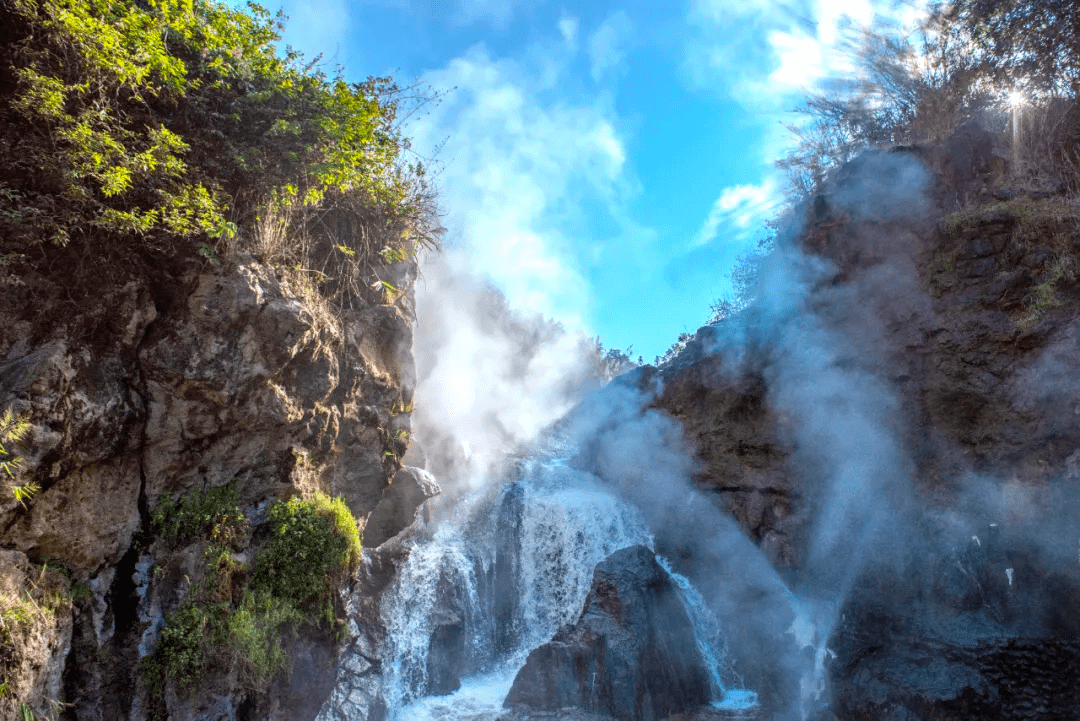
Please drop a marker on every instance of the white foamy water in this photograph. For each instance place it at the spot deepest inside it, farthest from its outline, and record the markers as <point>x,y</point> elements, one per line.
<point>480,698</point>
<point>557,523</point>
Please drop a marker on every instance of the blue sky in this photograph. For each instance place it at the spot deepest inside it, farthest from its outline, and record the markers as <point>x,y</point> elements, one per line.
<point>604,163</point>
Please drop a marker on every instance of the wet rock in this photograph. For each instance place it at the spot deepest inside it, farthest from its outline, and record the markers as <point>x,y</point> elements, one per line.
<point>631,655</point>
<point>359,677</point>
<point>399,505</point>
<point>982,633</point>
<point>447,656</point>
<point>505,596</point>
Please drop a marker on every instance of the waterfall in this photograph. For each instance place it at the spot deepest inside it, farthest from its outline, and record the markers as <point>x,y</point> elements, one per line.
<point>500,574</point>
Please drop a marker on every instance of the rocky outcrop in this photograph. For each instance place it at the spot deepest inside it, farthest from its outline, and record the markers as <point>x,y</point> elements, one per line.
<point>986,631</point>
<point>631,655</point>
<point>35,637</point>
<point>745,463</point>
<point>399,506</point>
<point>182,378</point>
<point>963,314</point>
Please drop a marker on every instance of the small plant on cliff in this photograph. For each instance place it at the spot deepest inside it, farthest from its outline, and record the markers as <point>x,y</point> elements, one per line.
<point>1042,298</point>
<point>235,615</point>
<point>12,430</point>
<point>178,521</point>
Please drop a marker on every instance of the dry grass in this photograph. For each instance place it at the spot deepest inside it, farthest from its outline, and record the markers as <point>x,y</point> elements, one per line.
<point>1050,223</point>
<point>344,249</point>
<point>1048,148</point>
<point>1046,224</point>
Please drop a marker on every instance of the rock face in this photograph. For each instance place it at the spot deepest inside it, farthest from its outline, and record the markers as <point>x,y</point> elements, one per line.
<point>183,377</point>
<point>35,638</point>
<point>399,506</point>
<point>631,655</point>
<point>968,321</point>
<point>986,632</point>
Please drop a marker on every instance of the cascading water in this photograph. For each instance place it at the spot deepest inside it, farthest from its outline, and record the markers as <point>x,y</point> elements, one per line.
<point>497,577</point>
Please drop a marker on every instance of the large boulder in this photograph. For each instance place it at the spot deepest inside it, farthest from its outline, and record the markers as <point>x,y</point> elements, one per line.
<point>631,655</point>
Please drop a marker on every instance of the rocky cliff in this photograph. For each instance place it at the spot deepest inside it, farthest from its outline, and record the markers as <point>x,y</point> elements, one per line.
<point>955,312</point>
<point>184,378</point>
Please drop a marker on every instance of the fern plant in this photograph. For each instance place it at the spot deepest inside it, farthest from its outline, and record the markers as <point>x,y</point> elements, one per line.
<point>12,430</point>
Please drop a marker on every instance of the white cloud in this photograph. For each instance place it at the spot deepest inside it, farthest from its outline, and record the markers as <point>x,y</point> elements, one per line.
<point>740,210</point>
<point>800,59</point>
<point>607,44</point>
<point>511,162</point>
<point>568,28</point>
<point>724,10</point>
<point>318,27</point>
<point>765,54</point>
<point>493,12</point>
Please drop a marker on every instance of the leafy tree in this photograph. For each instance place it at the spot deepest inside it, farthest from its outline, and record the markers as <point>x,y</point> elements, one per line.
<point>179,119</point>
<point>1022,43</point>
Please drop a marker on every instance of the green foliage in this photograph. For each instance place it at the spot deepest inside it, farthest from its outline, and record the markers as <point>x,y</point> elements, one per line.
<point>80,592</point>
<point>312,544</point>
<point>392,255</point>
<point>197,512</point>
<point>181,652</point>
<point>178,118</point>
<point>14,613</point>
<point>235,616</point>
<point>12,430</point>
<point>251,632</point>
<point>24,492</point>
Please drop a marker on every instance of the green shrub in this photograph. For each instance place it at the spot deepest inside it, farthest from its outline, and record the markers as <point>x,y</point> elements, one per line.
<point>181,652</point>
<point>312,544</point>
<point>251,631</point>
<point>212,510</point>
<point>234,616</point>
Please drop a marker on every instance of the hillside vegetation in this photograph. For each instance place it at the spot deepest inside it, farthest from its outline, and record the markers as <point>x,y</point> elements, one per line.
<point>166,128</point>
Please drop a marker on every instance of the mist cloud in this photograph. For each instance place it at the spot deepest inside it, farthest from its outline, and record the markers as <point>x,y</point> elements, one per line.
<point>490,378</point>
<point>511,165</point>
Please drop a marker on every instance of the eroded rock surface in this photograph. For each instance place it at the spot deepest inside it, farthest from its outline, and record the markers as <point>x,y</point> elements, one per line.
<point>35,638</point>
<point>185,378</point>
